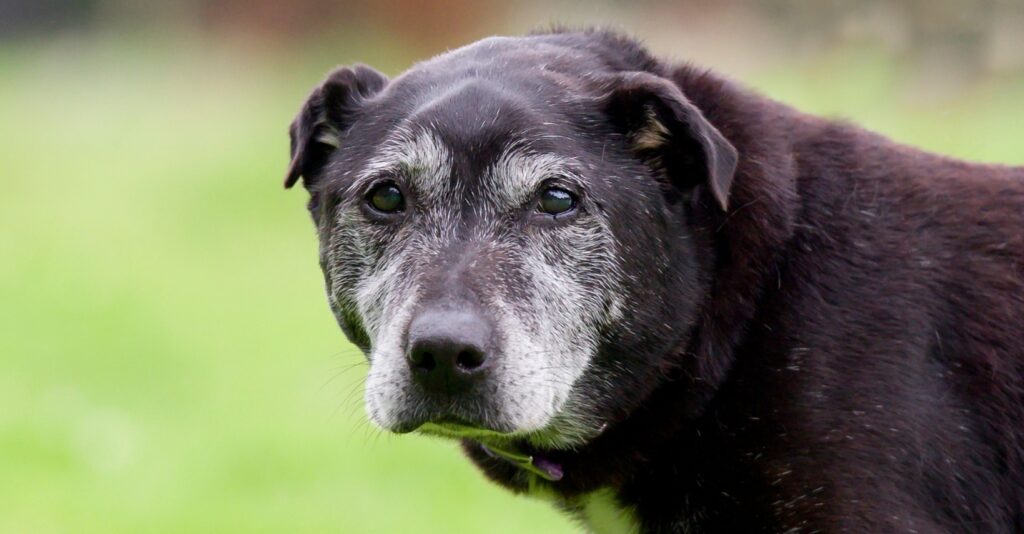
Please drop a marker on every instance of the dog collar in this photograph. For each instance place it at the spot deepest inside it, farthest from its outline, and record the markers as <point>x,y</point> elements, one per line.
<point>533,464</point>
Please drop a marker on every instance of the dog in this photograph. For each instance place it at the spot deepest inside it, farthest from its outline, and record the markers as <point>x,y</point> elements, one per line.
<point>669,304</point>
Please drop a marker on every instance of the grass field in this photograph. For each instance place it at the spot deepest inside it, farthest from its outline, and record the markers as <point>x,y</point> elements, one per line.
<point>167,358</point>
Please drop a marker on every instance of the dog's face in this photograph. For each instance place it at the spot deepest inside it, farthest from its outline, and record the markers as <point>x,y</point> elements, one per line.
<point>496,231</point>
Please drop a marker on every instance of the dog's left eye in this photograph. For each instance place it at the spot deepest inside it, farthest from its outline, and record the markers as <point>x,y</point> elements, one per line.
<point>556,201</point>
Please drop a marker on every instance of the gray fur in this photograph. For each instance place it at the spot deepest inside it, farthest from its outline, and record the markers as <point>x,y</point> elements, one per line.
<point>548,323</point>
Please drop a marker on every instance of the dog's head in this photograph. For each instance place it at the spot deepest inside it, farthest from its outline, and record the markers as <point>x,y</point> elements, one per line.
<point>507,232</point>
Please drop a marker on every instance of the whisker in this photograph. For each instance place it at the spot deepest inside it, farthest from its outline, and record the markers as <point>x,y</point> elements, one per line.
<point>341,371</point>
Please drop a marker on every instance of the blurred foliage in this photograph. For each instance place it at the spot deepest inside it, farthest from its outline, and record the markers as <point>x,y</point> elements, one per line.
<point>986,35</point>
<point>168,359</point>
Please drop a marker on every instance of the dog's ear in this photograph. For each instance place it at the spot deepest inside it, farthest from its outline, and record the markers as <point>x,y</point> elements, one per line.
<point>327,113</point>
<point>669,132</point>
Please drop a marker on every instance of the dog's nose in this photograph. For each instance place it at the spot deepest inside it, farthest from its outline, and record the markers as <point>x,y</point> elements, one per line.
<point>448,349</point>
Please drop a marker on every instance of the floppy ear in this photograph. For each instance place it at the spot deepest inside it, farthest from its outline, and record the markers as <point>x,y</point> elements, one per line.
<point>670,133</point>
<point>327,113</point>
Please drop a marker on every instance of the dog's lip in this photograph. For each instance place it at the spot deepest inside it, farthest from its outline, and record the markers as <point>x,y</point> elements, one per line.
<point>454,422</point>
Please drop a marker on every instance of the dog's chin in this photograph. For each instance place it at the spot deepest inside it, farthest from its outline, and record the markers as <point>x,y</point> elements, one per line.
<point>571,426</point>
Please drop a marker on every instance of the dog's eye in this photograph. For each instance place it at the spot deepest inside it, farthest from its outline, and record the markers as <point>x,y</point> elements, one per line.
<point>386,198</point>
<point>556,201</point>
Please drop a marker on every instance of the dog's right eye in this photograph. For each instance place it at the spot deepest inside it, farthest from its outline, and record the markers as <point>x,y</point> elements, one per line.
<point>386,198</point>
<point>556,201</point>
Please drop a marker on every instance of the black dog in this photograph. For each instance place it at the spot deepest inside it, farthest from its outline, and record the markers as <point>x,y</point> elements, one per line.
<point>670,304</point>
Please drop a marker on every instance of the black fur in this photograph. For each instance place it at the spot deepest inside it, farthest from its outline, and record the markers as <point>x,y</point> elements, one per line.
<point>839,342</point>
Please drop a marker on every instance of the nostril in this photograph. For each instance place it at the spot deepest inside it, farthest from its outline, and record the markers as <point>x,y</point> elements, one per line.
<point>469,360</point>
<point>423,360</point>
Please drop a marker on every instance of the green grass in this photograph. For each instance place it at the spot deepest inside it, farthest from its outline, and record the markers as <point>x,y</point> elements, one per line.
<point>167,358</point>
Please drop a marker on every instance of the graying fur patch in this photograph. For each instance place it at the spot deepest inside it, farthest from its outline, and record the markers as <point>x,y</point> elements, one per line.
<point>548,337</point>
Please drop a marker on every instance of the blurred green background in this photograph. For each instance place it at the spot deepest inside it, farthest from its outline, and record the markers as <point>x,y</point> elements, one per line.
<point>167,358</point>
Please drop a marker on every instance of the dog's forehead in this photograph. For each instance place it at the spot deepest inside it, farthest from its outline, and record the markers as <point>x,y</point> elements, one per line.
<point>476,117</point>
<point>474,136</point>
